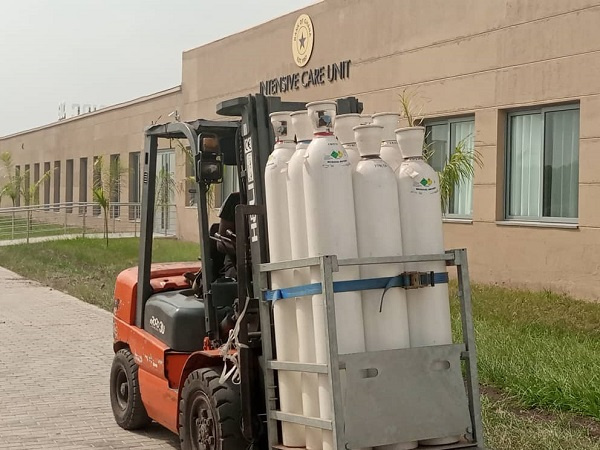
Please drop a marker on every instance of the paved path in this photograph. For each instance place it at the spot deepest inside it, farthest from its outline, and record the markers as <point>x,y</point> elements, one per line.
<point>55,357</point>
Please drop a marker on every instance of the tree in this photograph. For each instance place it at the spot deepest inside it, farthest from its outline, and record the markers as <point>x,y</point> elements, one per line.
<point>460,166</point>
<point>31,193</point>
<point>12,184</point>
<point>107,186</point>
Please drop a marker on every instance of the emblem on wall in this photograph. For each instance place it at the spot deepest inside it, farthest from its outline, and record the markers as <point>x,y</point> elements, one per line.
<point>302,40</point>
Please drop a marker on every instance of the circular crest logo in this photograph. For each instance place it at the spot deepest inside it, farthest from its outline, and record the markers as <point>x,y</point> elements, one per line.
<point>302,40</point>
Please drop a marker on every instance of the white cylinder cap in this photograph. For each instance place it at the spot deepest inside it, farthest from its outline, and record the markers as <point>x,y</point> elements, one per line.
<point>368,139</point>
<point>411,140</point>
<point>322,115</point>
<point>282,126</point>
<point>389,121</point>
<point>302,126</point>
<point>366,119</point>
<point>344,123</point>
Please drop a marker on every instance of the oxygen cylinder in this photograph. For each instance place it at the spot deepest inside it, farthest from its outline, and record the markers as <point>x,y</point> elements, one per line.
<point>331,230</point>
<point>379,234</point>
<point>342,129</point>
<point>304,312</point>
<point>284,310</point>
<point>390,152</point>
<point>421,218</point>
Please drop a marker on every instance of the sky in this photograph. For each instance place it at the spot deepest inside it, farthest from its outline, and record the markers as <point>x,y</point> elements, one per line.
<point>102,52</point>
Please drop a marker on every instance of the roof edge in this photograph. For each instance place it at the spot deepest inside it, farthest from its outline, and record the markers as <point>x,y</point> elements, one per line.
<point>106,109</point>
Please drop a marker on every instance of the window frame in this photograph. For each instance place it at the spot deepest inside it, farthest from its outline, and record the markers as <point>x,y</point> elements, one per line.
<point>507,161</point>
<point>449,121</point>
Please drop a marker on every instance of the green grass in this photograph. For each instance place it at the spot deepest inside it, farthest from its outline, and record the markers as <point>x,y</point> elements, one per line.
<point>539,351</point>
<point>86,268</point>
<point>18,229</point>
<point>541,348</point>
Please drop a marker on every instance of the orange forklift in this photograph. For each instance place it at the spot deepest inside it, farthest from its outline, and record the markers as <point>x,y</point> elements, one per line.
<point>168,326</point>
<point>193,342</point>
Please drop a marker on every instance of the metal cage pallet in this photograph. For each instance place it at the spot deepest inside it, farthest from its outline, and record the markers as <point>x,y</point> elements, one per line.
<point>435,397</point>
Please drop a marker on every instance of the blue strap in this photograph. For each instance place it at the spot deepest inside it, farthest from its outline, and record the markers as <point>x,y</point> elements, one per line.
<point>404,280</point>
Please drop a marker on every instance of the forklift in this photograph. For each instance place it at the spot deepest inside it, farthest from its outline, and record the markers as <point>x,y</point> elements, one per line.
<point>194,342</point>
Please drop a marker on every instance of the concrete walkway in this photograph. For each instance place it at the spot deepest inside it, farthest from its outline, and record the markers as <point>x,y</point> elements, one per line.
<point>55,358</point>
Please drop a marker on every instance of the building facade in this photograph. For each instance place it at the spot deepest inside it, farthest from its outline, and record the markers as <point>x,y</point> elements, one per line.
<point>516,79</point>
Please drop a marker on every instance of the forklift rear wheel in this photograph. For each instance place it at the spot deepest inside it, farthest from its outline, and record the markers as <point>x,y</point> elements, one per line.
<point>125,395</point>
<point>209,413</point>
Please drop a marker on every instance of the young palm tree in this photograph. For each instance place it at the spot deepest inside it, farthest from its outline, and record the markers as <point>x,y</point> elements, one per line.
<point>459,168</point>
<point>12,185</point>
<point>107,187</point>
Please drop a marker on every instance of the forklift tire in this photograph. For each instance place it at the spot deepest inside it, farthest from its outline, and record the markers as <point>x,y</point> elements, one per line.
<point>125,395</point>
<point>209,413</point>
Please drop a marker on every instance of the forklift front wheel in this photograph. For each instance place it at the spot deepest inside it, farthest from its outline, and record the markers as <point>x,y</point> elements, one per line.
<point>209,413</point>
<point>125,396</point>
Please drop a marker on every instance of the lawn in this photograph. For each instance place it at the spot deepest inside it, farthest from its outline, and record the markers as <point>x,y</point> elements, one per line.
<point>539,352</point>
<point>541,348</point>
<point>86,268</point>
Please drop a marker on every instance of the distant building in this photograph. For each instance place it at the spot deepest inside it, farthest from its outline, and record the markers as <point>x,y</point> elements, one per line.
<point>517,79</point>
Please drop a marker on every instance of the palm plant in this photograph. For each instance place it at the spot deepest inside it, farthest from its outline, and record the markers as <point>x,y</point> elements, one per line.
<point>458,169</point>
<point>107,187</point>
<point>31,193</point>
<point>12,186</point>
<point>410,111</point>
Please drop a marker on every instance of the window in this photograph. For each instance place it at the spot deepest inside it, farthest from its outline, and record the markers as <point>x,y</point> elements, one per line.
<point>56,185</point>
<point>83,175</point>
<point>36,177</point>
<point>443,137</point>
<point>543,164</point>
<point>69,185</point>
<point>96,182</point>
<point>134,185</point>
<point>27,184</point>
<point>18,179</point>
<point>115,184</point>
<point>46,185</point>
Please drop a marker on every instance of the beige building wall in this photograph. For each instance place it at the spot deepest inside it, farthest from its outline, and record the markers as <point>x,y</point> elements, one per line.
<point>467,57</point>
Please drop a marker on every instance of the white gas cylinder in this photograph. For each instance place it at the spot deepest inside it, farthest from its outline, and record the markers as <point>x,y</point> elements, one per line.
<point>304,312</point>
<point>390,152</point>
<point>379,234</point>
<point>343,130</point>
<point>280,249</point>
<point>331,230</point>
<point>422,234</point>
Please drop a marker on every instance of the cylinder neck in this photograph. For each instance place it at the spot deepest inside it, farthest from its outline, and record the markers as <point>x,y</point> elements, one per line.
<point>389,121</point>
<point>302,126</point>
<point>411,140</point>
<point>368,139</point>
<point>344,125</point>
<point>322,117</point>
<point>282,127</point>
